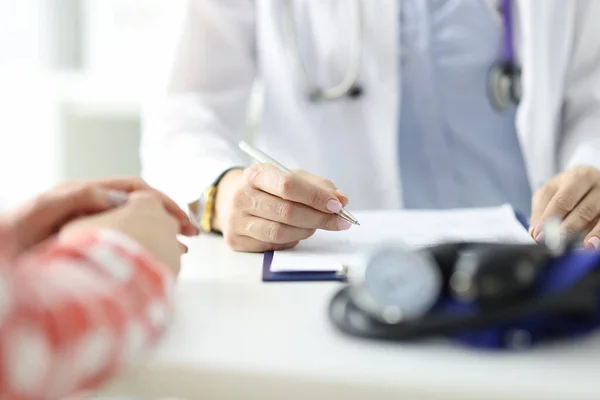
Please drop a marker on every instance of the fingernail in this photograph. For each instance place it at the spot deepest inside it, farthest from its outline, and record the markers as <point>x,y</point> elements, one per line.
<point>531,228</point>
<point>594,241</point>
<point>343,225</point>
<point>117,197</point>
<point>334,206</point>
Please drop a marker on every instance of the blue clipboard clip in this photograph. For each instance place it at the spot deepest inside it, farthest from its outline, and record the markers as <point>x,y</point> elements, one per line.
<point>315,276</point>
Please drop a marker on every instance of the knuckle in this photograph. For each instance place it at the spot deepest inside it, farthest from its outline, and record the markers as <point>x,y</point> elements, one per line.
<point>316,199</point>
<point>329,184</point>
<point>251,174</point>
<point>565,203</point>
<point>588,212</point>
<point>83,192</point>
<point>569,229</point>
<point>585,173</point>
<point>242,200</point>
<point>250,225</point>
<point>275,232</point>
<point>541,193</point>
<point>233,241</point>
<point>285,184</point>
<point>285,211</point>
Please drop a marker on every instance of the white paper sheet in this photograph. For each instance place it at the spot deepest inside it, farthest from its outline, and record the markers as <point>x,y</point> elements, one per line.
<point>331,251</point>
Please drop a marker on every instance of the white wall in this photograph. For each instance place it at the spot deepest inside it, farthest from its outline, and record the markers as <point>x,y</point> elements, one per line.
<point>73,74</point>
<point>30,136</point>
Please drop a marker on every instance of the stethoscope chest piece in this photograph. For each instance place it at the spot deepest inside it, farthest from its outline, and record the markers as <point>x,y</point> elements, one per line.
<point>398,285</point>
<point>504,86</point>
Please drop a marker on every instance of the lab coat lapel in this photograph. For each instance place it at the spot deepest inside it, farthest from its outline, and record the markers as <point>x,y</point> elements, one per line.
<point>543,30</point>
<point>380,71</point>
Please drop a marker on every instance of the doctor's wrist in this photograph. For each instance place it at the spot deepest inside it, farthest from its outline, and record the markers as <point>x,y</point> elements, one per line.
<point>225,190</point>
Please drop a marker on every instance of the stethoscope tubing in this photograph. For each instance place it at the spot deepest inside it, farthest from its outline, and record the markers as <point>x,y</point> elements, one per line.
<point>348,87</point>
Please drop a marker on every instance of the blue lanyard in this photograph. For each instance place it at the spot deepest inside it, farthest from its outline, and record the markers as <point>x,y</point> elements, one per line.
<point>509,56</point>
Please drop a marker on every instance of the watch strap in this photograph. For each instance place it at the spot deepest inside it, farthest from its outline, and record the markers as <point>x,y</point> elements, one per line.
<point>208,203</point>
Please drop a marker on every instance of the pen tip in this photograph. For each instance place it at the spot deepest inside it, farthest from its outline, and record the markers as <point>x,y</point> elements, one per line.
<point>357,223</point>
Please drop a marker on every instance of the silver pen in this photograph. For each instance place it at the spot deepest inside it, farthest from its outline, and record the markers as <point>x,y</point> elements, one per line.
<point>263,158</point>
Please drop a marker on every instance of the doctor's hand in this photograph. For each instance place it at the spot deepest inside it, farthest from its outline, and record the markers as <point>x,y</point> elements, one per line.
<point>262,208</point>
<point>574,197</point>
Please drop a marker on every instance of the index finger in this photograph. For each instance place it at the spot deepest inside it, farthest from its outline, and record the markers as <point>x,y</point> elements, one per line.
<point>326,183</point>
<point>538,204</point>
<point>292,187</point>
<point>132,184</point>
<point>566,198</point>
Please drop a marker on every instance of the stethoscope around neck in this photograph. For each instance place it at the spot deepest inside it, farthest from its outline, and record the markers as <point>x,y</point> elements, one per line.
<point>504,79</point>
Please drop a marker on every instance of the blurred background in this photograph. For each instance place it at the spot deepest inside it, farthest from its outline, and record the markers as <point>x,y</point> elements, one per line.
<point>73,76</point>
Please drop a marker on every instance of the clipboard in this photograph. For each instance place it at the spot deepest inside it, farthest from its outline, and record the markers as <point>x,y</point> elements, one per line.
<point>300,276</point>
<point>325,276</point>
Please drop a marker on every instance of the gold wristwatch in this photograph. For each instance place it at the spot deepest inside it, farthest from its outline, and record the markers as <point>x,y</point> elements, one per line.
<point>204,208</point>
<point>208,208</point>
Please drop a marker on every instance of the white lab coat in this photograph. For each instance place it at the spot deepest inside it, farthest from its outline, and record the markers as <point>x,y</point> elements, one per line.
<point>190,136</point>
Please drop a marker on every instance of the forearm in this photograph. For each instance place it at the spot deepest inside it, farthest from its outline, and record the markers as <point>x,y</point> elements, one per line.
<point>191,133</point>
<point>73,313</point>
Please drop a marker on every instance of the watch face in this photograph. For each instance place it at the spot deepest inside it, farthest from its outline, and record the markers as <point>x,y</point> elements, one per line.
<point>402,283</point>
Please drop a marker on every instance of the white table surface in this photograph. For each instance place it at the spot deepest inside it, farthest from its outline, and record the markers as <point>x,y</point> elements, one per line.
<point>235,337</point>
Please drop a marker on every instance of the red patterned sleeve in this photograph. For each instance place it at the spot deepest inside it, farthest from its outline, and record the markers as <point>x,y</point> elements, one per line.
<point>72,314</point>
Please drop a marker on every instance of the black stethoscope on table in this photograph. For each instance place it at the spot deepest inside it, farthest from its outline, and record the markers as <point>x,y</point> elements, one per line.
<point>487,295</point>
<point>504,81</point>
